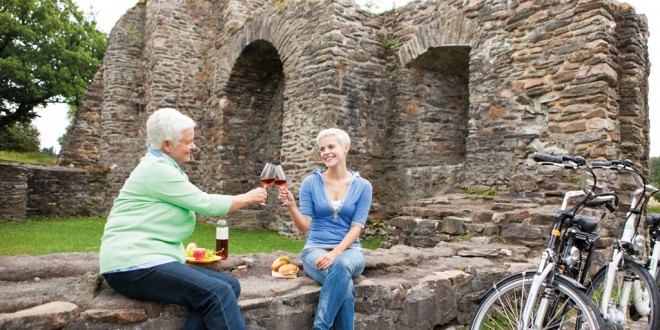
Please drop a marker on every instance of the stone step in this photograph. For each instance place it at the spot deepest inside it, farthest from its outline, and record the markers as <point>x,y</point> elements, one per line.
<point>52,315</point>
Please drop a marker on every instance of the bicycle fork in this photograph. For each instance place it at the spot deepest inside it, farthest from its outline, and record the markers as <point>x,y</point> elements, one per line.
<point>617,316</point>
<point>539,279</point>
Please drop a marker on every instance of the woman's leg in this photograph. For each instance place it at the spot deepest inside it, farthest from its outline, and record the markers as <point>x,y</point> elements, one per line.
<point>336,301</point>
<point>214,294</point>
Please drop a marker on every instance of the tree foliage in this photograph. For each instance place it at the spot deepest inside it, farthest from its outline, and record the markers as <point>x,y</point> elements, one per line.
<point>655,174</point>
<point>49,52</point>
<point>20,137</point>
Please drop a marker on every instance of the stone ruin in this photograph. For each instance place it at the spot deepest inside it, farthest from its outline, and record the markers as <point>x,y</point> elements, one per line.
<point>439,97</point>
<point>444,100</point>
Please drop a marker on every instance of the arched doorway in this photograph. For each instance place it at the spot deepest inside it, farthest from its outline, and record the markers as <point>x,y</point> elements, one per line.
<point>252,125</point>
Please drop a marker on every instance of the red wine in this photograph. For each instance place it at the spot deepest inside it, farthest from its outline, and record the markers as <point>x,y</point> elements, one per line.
<point>222,246</point>
<point>280,182</point>
<point>267,181</point>
<point>222,239</point>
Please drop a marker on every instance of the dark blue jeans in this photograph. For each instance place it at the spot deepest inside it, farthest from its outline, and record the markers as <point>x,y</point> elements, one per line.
<point>212,296</point>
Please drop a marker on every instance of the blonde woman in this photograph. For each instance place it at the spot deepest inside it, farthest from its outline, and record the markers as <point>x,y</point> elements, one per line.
<point>334,205</point>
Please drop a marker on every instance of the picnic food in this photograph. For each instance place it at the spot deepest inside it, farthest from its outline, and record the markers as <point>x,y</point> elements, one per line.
<point>288,270</point>
<point>282,267</point>
<point>279,262</point>
<point>190,248</point>
<point>193,251</point>
<point>199,253</point>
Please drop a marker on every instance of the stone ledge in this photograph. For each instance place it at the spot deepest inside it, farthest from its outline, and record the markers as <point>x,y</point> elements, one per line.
<point>401,288</point>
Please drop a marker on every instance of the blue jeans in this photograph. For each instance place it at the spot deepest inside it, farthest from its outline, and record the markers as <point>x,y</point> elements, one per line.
<point>212,296</point>
<point>337,300</point>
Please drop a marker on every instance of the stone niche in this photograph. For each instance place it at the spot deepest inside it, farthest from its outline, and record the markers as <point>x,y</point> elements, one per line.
<point>439,97</point>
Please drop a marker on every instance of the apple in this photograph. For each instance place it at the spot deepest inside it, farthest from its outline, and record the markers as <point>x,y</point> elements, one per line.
<point>190,248</point>
<point>199,253</point>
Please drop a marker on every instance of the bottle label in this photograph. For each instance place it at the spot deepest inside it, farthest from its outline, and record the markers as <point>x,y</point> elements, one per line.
<point>222,233</point>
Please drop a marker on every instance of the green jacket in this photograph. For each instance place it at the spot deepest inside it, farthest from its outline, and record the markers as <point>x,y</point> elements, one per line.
<point>153,214</point>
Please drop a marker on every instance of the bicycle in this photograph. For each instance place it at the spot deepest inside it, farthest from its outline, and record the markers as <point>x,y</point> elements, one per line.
<point>625,276</point>
<point>547,298</point>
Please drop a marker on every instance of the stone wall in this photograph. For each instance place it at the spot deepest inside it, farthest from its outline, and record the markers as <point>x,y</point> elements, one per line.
<point>44,191</point>
<point>442,96</point>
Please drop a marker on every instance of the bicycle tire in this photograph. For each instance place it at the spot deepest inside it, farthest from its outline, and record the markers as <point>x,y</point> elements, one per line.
<point>501,307</point>
<point>633,319</point>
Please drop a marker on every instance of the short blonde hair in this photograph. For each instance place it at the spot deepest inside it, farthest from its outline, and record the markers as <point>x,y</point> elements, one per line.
<point>167,124</point>
<point>342,136</point>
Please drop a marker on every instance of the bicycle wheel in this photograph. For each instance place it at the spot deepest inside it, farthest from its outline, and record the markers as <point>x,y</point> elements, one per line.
<point>501,307</point>
<point>635,315</point>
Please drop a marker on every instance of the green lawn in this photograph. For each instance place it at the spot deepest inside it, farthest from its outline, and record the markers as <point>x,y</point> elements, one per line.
<point>44,235</point>
<point>654,209</point>
<point>26,157</point>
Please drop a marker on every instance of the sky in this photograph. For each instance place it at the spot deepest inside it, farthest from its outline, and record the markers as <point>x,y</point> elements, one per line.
<point>53,119</point>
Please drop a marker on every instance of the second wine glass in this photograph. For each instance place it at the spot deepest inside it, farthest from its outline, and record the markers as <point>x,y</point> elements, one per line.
<point>280,179</point>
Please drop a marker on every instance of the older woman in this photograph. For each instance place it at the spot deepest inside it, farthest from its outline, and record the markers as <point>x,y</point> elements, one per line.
<point>334,204</point>
<point>142,254</point>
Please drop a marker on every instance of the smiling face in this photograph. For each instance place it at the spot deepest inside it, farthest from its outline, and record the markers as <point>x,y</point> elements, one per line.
<point>182,152</point>
<point>332,152</point>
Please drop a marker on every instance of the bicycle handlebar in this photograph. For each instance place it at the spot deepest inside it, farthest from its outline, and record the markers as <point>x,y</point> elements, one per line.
<point>565,160</point>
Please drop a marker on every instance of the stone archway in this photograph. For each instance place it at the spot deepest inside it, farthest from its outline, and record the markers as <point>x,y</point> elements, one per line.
<point>439,81</point>
<point>430,122</point>
<point>252,124</point>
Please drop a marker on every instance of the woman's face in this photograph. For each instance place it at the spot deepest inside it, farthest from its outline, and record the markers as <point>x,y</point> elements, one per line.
<point>332,152</point>
<point>182,153</point>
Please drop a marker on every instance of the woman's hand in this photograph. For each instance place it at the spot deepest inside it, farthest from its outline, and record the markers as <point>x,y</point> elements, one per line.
<point>326,260</point>
<point>254,196</point>
<point>286,197</point>
<point>257,195</point>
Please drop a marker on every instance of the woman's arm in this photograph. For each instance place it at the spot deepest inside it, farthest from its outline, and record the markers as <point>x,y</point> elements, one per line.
<point>328,258</point>
<point>301,221</point>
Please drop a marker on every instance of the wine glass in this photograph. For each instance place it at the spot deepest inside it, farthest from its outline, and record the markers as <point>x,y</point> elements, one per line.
<point>280,179</point>
<point>267,176</point>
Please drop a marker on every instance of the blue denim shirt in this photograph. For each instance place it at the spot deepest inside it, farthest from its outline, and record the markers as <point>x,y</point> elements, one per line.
<point>329,226</point>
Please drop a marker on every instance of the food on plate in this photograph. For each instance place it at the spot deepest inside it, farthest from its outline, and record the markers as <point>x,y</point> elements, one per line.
<point>199,253</point>
<point>190,248</point>
<point>288,270</point>
<point>279,262</point>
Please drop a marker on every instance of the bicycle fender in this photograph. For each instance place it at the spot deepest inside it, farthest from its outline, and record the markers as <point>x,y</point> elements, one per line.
<point>573,281</point>
<point>628,258</point>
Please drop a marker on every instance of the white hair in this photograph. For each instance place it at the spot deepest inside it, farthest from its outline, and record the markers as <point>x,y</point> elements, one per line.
<point>341,135</point>
<point>167,124</point>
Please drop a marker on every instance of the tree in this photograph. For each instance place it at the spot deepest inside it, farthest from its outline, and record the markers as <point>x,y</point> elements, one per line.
<point>654,180</point>
<point>49,53</point>
<point>20,137</point>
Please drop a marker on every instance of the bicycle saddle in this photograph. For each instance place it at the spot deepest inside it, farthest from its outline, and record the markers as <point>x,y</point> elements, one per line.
<point>653,219</point>
<point>587,224</point>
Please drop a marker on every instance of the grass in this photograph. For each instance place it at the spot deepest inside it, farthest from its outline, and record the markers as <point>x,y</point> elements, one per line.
<point>40,236</point>
<point>27,157</point>
<point>482,192</point>
<point>654,209</point>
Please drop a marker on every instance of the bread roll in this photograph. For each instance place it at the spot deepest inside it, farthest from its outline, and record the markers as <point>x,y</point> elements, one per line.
<point>288,270</point>
<point>279,262</point>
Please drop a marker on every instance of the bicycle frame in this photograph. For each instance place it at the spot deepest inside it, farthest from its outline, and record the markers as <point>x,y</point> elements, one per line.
<point>547,264</point>
<point>626,244</point>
